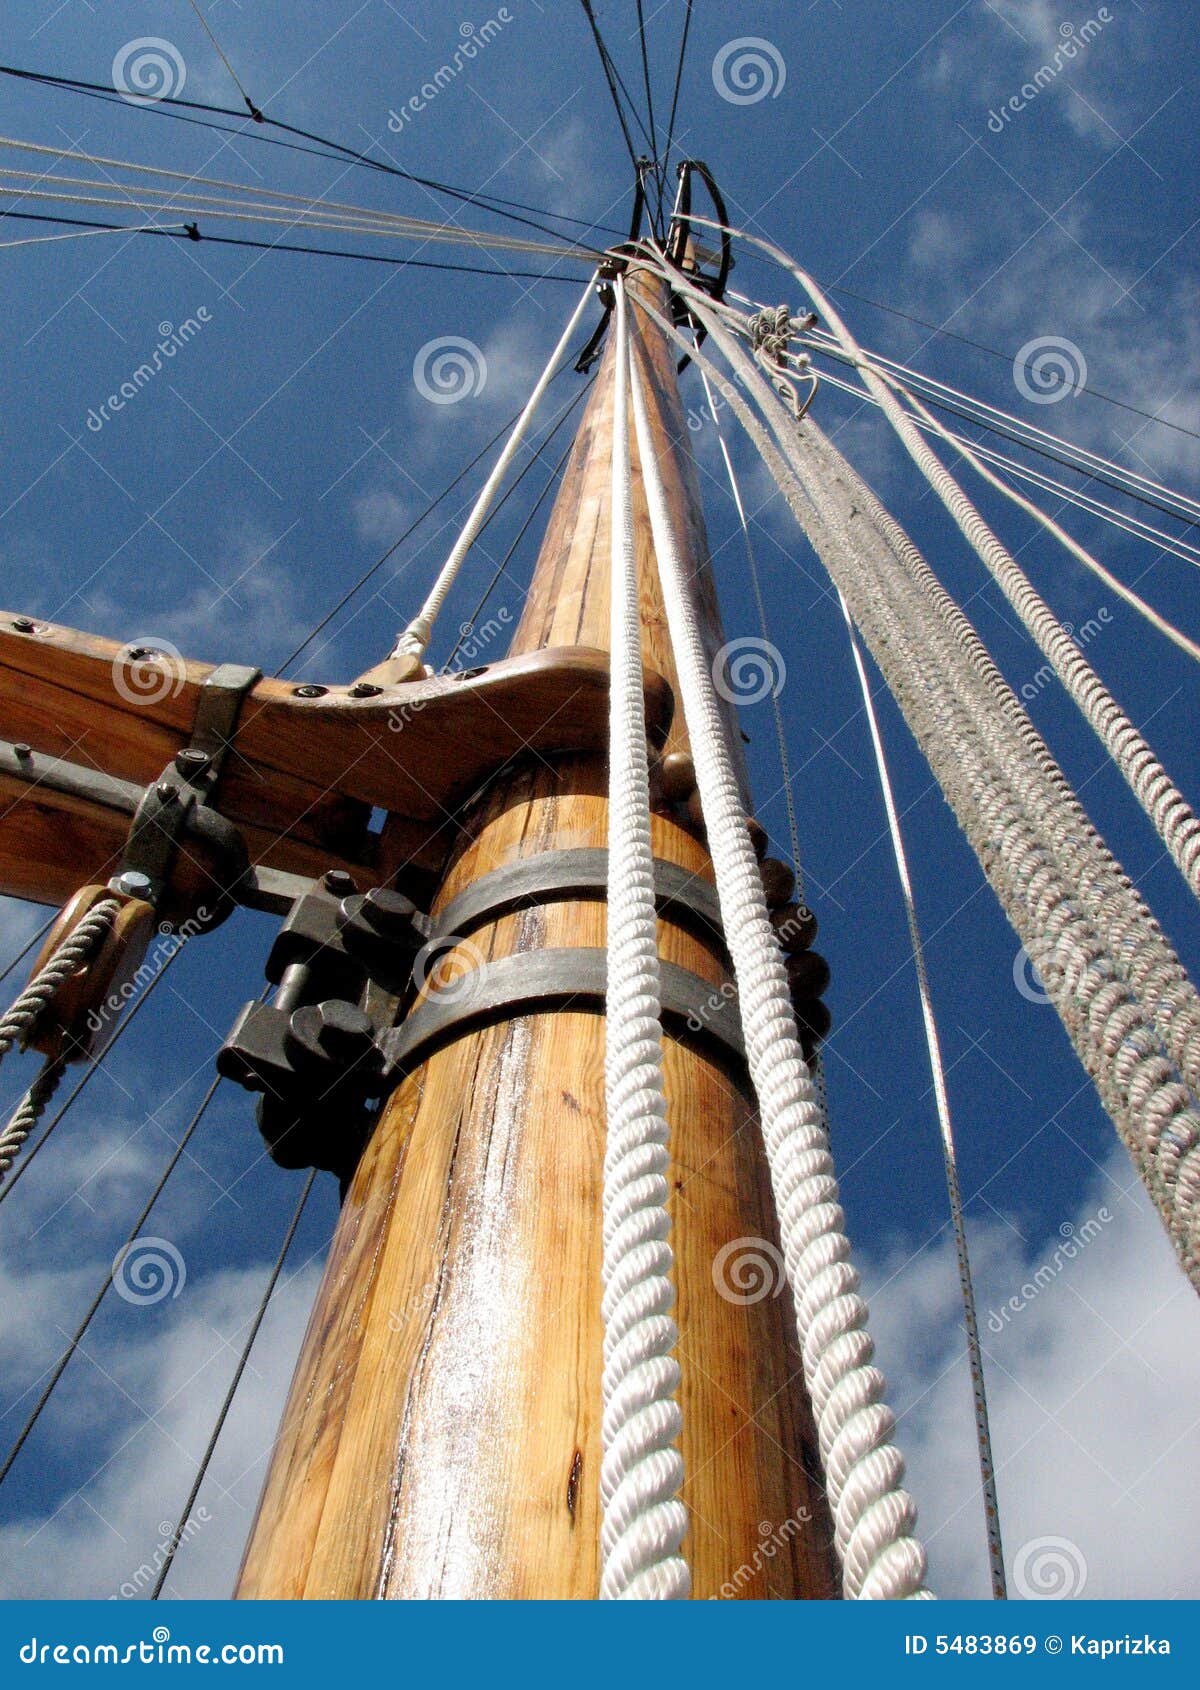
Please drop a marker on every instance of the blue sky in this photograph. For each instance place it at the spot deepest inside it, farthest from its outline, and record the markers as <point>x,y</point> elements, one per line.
<point>230,505</point>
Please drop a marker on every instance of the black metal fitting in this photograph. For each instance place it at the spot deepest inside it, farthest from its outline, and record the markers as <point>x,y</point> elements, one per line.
<point>315,1054</point>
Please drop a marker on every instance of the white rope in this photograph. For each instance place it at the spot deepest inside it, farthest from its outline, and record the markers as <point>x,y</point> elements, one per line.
<point>1029,434</point>
<point>413,225</point>
<point>1000,421</point>
<point>83,234</point>
<point>937,1071</point>
<point>641,1470</point>
<point>1047,522</point>
<point>816,1066</point>
<point>414,640</point>
<point>1118,987</point>
<point>1077,496</point>
<point>874,1518</point>
<point>1162,801</point>
<point>195,207</point>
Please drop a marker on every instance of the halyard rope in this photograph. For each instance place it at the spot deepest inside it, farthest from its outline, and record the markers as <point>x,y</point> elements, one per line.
<point>874,1517</point>
<point>641,1469</point>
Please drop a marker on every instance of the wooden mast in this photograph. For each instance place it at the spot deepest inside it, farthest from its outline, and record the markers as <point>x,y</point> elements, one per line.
<point>442,1434</point>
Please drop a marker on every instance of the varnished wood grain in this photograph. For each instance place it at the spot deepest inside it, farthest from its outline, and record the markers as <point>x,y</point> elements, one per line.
<point>442,1435</point>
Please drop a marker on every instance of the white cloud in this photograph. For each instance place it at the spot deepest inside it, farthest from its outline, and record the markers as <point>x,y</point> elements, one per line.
<point>1094,1390</point>
<point>160,1392</point>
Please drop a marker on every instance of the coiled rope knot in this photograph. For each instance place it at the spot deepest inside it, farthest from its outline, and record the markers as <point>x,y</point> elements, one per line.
<point>771,334</point>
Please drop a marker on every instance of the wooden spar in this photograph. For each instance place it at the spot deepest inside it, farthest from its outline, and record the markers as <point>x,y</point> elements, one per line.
<point>442,1434</point>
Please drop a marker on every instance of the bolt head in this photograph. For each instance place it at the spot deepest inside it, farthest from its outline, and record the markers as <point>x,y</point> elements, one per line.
<point>24,625</point>
<point>167,794</point>
<point>23,751</point>
<point>192,762</point>
<point>365,689</point>
<point>339,882</point>
<point>337,1030</point>
<point>309,692</point>
<point>133,884</point>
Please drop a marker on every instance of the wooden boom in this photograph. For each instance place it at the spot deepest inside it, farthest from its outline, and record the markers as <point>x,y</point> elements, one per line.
<point>442,1434</point>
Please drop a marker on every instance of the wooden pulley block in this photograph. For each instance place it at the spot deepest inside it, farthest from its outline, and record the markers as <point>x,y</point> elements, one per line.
<point>779,882</point>
<point>795,927</point>
<point>87,1008</point>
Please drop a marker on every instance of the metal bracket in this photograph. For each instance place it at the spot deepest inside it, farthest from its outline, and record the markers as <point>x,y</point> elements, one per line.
<point>563,979</point>
<point>181,801</point>
<point>217,711</point>
<point>555,876</point>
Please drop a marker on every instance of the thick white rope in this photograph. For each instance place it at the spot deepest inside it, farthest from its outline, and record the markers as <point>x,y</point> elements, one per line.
<point>641,1469</point>
<point>1076,496</point>
<point>874,1517</point>
<point>1096,982</point>
<point>941,1097</point>
<point>816,1066</point>
<point>1087,462</point>
<point>414,641</point>
<point>1044,520</point>
<point>1158,795</point>
<point>1135,942</point>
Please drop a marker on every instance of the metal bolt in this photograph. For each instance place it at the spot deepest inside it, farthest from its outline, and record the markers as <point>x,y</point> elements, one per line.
<point>23,751</point>
<point>141,653</point>
<point>167,794</point>
<point>338,1031</point>
<point>133,884</point>
<point>339,882</point>
<point>390,914</point>
<point>23,625</point>
<point>192,762</point>
<point>309,692</point>
<point>365,689</point>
